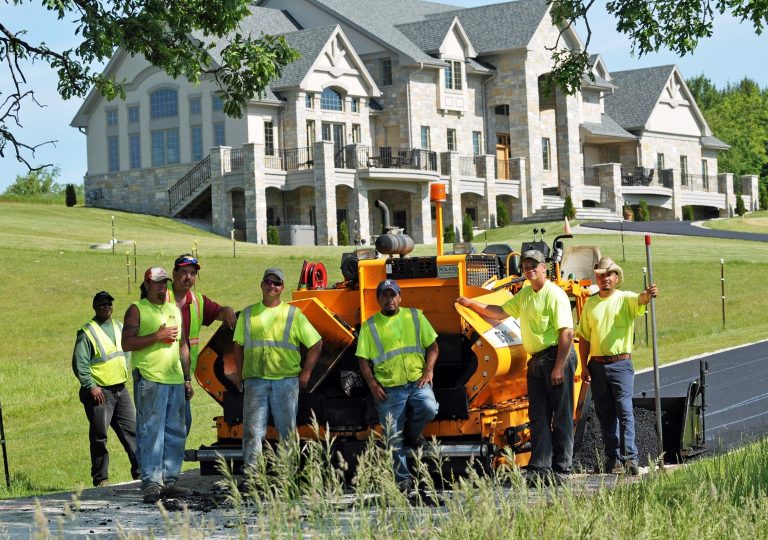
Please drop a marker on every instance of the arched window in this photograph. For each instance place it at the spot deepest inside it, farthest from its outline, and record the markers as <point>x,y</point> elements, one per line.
<point>330,100</point>
<point>164,103</point>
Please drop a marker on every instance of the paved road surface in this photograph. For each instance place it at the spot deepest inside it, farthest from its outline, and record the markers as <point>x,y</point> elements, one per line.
<point>683,228</point>
<point>736,392</point>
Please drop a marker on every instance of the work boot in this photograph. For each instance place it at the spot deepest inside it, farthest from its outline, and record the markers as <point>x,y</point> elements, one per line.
<point>405,486</point>
<point>151,494</point>
<point>631,467</point>
<point>613,466</point>
<point>173,491</point>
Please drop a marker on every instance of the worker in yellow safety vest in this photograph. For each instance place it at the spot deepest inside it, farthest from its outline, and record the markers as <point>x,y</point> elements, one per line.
<point>402,346</point>
<point>197,310</point>
<point>99,363</point>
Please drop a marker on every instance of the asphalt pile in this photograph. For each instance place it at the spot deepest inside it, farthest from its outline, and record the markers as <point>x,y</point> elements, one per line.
<point>590,455</point>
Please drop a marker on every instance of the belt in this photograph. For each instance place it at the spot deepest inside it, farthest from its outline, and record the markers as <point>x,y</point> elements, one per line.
<point>610,359</point>
<point>545,352</point>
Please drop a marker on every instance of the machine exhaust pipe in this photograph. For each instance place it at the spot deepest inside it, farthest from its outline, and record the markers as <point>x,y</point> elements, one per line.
<point>385,226</point>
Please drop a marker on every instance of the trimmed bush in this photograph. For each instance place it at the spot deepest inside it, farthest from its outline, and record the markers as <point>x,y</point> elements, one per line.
<point>688,213</point>
<point>643,213</point>
<point>568,210</point>
<point>502,216</point>
<point>343,234</point>
<point>763,191</point>
<point>70,197</point>
<point>273,237</point>
<point>449,235</point>
<point>466,228</point>
<point>741,209</point>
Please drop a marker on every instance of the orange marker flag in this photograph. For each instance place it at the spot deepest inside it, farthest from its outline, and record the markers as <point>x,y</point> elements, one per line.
<point>567,227</point>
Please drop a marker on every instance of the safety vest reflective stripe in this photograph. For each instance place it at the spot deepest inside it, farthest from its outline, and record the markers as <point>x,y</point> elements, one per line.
<point>284,344</point>
<point>384,356</point>
<point>194,341</point>
<point>94,332</point>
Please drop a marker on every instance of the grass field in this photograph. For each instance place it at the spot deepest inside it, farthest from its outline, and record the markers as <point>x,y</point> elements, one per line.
<point>754,222</point>
<point>50,275</point>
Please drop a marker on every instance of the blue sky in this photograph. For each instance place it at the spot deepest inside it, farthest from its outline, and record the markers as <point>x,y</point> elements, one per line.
<point>727,57</point>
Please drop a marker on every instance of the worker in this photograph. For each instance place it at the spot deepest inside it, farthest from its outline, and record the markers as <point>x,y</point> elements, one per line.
<point>546,324</point>
<point>267,338</point>
<point>606,331</point>
<point>196,310</point>
<point>402,346</point>
<point>161,383</point>
<point>100,365</point>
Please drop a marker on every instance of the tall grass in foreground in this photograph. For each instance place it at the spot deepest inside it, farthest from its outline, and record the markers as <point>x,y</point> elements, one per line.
<point>297,494</point>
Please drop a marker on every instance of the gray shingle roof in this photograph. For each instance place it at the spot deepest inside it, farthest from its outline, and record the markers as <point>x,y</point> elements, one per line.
<point>637,92</point>
<point>608,128</point>
<point>427,35</point>
<point>711,141</point>
<point>496,27</point>
<point>309,43</point>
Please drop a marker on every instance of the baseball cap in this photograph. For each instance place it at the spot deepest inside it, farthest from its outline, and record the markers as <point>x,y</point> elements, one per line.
<point>387,284</point>
<point>186,260</point>
<point>275,272</point>
<point>156,273</point>
<point>102,295</point>
<point>534,254</point>
<point>606,265</point>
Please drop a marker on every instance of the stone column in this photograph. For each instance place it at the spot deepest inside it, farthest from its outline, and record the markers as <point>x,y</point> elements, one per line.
<point>360,211</point>
<point>421,216</point>
<point>454,196</point>
<point>750,188</point>
<point>570,161</point>
<point>609,180</point>
<point>490,189</point>
<point>528,195</point>
<point>725,186</point>
<point>677,194</point>
<point>254,181</point>
<point>325,194</point>
<point>221,209</point>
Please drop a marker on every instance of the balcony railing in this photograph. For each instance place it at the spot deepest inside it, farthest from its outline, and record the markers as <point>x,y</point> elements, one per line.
<point>236,159</point>
<point>387,157</point>
<point>666,176</point>
<point>590,176</point>
<point>196,177</point>
<point>697,182</point>
<point>639,176</point>
<point>473,166</point>
<point>297,159</point>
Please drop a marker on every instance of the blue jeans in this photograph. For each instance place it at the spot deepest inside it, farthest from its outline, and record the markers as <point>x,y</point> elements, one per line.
<point>160,431</point>
<point>612,389</point>
<point>392,416</point>
<point>264,396</point>
<point>550,413</point>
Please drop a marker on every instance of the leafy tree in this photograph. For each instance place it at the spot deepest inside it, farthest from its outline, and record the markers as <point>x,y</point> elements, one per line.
<point>649,25</point>
<point>502,216</point>
<point>763,191</point>
<point>741,208</point>
<point>273,236</point>
<point>37,182</point>
<point>688,213</point>
<point>174,35</point>
<point>467,226</point>
<point>71,196</point>
<point>704,92</point>
<point>449,235</point>
<point>343,234</point>
<point>643,213</point>
<point>568,209</point>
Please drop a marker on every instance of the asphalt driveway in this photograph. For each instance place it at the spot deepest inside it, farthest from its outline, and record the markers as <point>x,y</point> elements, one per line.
<point>681,228</point>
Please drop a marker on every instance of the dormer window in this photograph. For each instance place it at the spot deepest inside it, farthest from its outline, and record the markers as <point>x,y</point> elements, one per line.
<point>453,75</point>
<point>330,100</point>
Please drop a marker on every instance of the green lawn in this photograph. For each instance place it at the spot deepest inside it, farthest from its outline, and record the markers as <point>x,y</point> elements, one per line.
<point>754,222</point>
<point>50,275</point>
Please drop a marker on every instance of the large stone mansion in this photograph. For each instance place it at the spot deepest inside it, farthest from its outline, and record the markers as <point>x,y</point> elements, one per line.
<point>387,98</point>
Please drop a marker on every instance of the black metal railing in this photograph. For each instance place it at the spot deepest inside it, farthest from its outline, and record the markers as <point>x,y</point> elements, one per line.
<point>590,176</point>
<point>507,169</point>
<point>236,159</point>
<point>387,157</point>
<point>199,174</point>
<point>722,184</point>
<point>296,159</point>
<point>472,166</point>
<point>639,176</point>
<point>667,177</point>
<point>445,164</point>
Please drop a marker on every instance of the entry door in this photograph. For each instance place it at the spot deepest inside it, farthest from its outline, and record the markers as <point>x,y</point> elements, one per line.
<point>502,156</point>
<point>335,133</point>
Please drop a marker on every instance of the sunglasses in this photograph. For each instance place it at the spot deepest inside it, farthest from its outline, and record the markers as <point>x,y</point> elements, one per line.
<point>276,283</point>
<point>528,268</point>
<point>104,304</point>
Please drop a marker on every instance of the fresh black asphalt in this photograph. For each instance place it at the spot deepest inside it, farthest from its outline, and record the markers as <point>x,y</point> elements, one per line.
<point>736,393</point>
<point>683,228</point>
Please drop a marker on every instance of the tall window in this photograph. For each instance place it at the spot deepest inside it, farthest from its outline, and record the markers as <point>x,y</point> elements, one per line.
<point>133,114</point>
<point>310,133</point>
<point>112,117</point>
<point>453,75</point>
<point>219,135</point>
<point>218,104</point>
<point>196,140</point>
<point>309,101</point>
<point>451,140</point>
<point>165,147</point>
<point>386,72</point>
<point>195,105</point>
<point>330,100</point>
<point>164,103</point>
<point>113,154</point>
<point>477,143</point>
<point>684,169</point>
<point>355,104</point>
<point>269,138</point>
<point>705,171</point>
<point>425,139</point>
<point>546,151</point>
<point>356,134</point>
<point>660,161</point>
<point>134,150</point>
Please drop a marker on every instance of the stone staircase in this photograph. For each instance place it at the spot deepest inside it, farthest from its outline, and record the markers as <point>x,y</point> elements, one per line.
<point>597,214</point>
<point>552,210</point>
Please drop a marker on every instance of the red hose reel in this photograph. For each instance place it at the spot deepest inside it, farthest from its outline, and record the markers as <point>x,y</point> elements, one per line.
<point>313,276</point>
